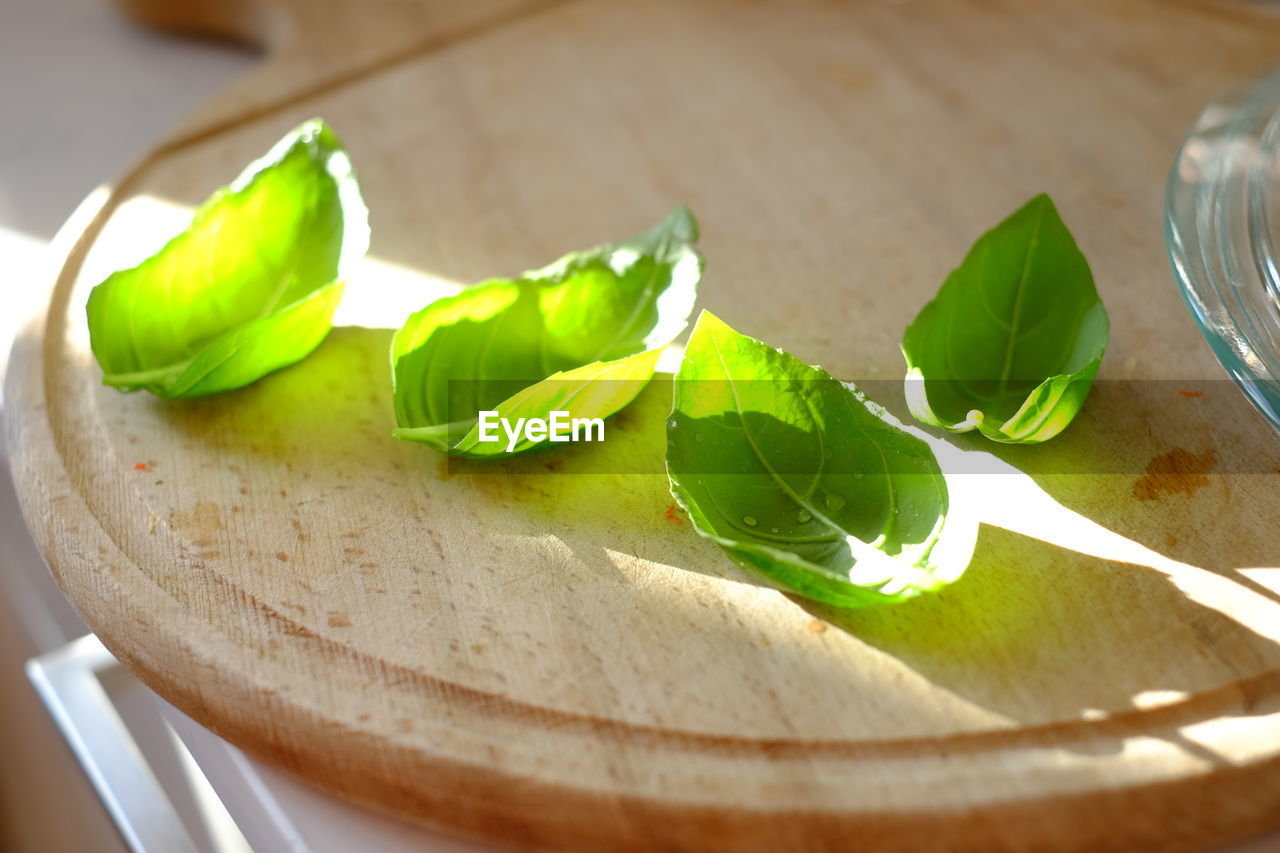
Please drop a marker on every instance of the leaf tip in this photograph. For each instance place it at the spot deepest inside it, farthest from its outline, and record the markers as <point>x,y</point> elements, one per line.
<point>683,224</point>
<point>679,228</point>
<point>709,324</point>
<point>316,132</point>
<point>1040,206</point>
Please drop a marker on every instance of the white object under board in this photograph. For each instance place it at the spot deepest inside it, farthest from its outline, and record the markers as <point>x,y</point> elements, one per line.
<point>285,814</point>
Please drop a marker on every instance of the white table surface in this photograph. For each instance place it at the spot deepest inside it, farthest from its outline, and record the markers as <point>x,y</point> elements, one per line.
<point>82,94</point>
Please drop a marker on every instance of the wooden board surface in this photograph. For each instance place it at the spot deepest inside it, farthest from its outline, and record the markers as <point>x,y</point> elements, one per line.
<point>537,654</point>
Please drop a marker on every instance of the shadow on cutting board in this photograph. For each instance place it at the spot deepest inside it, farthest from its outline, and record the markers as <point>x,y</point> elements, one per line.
<point>1187,469</point>
<point>1038,622</point>
<point>1175,479</point>
<point>1034,632</point>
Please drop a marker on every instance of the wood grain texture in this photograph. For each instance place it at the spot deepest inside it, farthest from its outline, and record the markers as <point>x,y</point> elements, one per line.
<point>535,653</point>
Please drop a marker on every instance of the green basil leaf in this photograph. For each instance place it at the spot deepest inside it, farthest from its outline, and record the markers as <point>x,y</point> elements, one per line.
<point>580,336</point>
<point>249,287</point>
<point>1013,339</point>
<point>802,479</point>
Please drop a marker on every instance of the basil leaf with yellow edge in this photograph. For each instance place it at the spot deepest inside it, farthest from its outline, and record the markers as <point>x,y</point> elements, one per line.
<point>1011,343</point>
<point>801,479</point>
<point>249,287</point>
<point>580,336</point>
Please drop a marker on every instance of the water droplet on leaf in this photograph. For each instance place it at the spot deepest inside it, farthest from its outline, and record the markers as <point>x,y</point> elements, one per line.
<point>749,520</point>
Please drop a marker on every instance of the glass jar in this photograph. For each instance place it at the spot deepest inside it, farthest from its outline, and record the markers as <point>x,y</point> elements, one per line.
<point>1222,212</point>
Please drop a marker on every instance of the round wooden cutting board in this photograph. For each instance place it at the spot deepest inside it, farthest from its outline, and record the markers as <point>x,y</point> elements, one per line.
<point>542,653</point>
